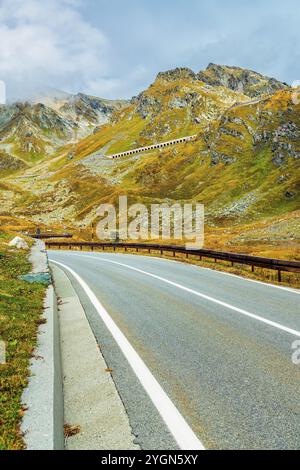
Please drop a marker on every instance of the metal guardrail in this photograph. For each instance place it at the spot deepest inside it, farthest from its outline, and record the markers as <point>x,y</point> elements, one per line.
<point>46,236</point>
<point>253,261</point>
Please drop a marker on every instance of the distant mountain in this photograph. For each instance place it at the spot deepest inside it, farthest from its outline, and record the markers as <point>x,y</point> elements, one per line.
<point>32,130</point>
<point>82,108</point>
<point>48,96</point>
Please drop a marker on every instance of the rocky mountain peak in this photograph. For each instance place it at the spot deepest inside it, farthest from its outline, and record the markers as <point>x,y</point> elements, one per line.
<point>245,81</point>
<point>180,73</point>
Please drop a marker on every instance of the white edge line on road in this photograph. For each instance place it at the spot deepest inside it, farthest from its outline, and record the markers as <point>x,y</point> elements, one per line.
<point>284,288</point>
<point>203,296</point>
<point>217,271</point>
<point>183,434</point>
<point>196,266</point>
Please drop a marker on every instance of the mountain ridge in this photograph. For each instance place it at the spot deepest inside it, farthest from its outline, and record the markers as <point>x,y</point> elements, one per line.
<point>244,164</point>
<point>248,82</point>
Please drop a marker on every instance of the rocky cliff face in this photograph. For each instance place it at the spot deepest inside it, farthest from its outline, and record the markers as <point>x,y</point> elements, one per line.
<point>178,74</point>
<point>182,96</point>
<point>178,99</point>
<point>272,125</point>
<point>249,83</point>
<point>8,163</point>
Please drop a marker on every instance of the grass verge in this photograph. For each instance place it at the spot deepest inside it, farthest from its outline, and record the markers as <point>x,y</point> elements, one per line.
<point>21,305</point>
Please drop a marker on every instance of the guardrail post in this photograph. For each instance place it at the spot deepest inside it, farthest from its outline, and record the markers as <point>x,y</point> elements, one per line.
<point>253,262</point>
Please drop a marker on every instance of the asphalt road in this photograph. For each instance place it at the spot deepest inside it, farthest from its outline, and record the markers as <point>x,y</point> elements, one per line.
<point>219,346</point>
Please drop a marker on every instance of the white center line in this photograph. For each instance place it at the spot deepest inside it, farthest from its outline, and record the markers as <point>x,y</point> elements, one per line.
<point>279,326</point>
<point>183,434</point>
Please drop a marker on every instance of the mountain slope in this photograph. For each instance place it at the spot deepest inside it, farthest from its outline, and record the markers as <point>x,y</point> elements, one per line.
<point>175,105</point>
<point>244,164</point>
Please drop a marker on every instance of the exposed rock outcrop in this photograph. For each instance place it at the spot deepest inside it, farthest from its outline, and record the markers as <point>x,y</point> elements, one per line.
<point>180,73</point>
<point>8,162</point>
<point>245,81</point>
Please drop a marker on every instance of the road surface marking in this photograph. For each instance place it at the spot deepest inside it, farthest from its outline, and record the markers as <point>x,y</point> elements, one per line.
<point>204,296</point>
<point>288,289</point>
<point>183,434</point>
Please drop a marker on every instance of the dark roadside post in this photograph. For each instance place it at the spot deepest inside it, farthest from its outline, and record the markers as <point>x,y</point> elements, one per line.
<point>93,234</point>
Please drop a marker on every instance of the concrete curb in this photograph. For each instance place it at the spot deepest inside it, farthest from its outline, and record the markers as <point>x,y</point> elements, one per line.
<point>43,421</point>
<point>91,401</point>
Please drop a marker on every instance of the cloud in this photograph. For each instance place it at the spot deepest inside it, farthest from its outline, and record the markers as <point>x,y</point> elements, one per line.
<point>118,87</point>
<point>49,44</point>
<point>261,35</point>
<point>115,48</point>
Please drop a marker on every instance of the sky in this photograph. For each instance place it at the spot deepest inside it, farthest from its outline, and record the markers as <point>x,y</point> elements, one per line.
<point>115,48</point>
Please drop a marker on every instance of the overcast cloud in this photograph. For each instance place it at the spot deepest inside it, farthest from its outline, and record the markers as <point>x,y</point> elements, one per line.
<point>115,48</point>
